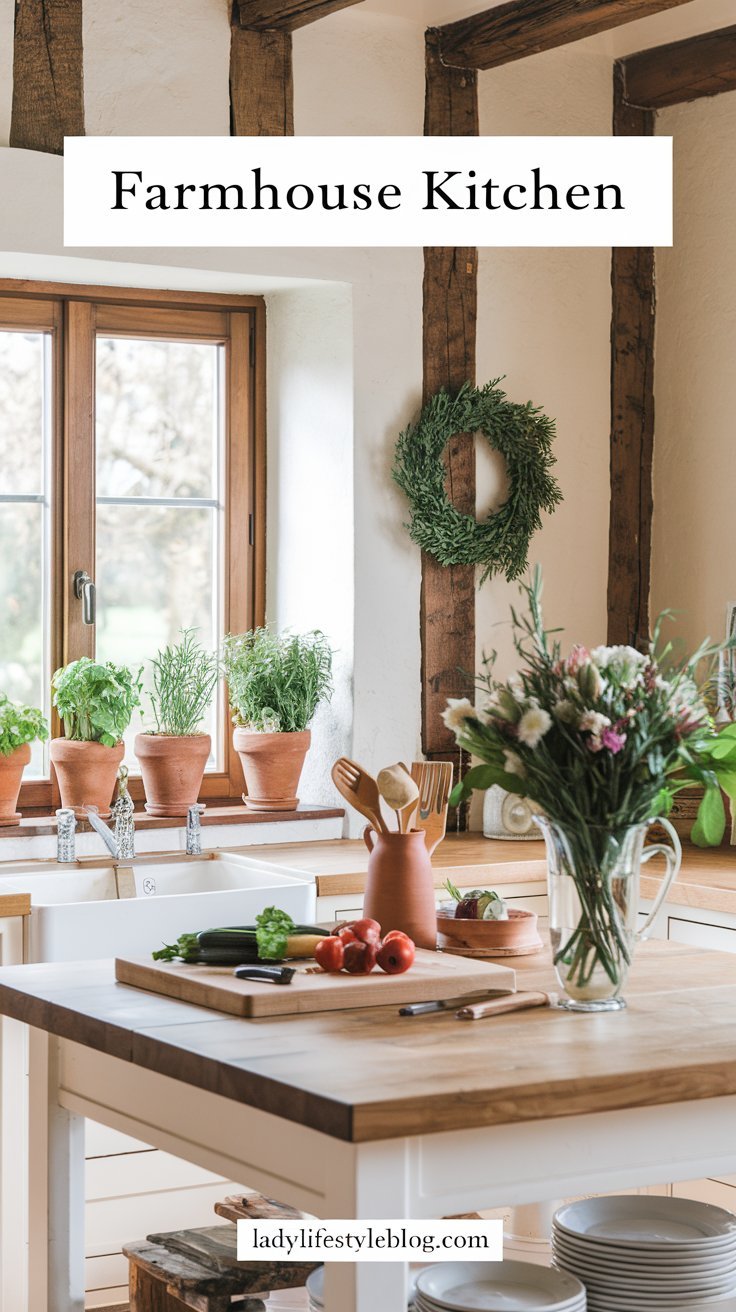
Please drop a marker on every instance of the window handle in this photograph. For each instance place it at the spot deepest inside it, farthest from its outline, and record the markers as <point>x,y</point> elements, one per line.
<point>85,590</point>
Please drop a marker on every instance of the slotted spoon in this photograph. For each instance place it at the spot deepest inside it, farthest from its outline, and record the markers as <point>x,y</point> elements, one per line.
<point>359,789</point>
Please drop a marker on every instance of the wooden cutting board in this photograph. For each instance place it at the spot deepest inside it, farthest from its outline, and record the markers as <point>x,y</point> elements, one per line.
<point>433,975</point>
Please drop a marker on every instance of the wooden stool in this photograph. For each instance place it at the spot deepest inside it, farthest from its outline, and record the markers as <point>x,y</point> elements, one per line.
<point>199,1269</point>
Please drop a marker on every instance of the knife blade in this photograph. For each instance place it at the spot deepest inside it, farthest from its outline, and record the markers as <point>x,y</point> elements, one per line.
<point>266,974</point>
<point>452,1004</point>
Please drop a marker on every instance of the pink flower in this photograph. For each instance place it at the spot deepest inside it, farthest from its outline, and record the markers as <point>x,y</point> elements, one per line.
<point>579,656</point>
<point>613,740</point>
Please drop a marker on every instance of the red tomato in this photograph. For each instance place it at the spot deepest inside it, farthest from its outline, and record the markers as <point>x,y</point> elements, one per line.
<point>346,935</point>
<point>360,958</point>
<point>330,954</point>
<point>368,931</point>
<point>396,955</point>
<point>397,933</point>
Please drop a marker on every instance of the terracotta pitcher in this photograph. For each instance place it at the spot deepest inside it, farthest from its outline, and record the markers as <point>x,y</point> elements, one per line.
<point>399,891</point>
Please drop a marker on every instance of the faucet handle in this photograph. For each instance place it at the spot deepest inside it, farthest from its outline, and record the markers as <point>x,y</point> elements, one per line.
<point>66,824</point>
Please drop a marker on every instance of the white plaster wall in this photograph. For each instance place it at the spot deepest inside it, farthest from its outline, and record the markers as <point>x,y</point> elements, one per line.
<point>544,322</point>
<point>694,479</point>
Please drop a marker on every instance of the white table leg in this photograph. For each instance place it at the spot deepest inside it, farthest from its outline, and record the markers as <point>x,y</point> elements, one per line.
<point>371,1183</point>
<point>57,1192</point>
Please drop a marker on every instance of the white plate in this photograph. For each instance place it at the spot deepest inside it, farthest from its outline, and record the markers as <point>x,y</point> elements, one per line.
<point>647,1221</point>
<point>497,1286</point>
<point>428,1305</point>
<point>316,1290</point>
<point>624,1259</point>
<point>624,1270</point>
<point>697,1288</point>
<point>727,1304</point>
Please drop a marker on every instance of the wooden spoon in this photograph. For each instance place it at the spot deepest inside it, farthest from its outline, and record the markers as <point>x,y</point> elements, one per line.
<point>399,791</point>
<point>359,789</point>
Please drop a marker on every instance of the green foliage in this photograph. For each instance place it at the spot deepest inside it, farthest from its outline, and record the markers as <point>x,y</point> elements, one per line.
<point>277,680</point>
<point>184,680</point>
<point>273,928</point>
<point>19,725</point>
<point>96,701</point>
<point>522,434</point>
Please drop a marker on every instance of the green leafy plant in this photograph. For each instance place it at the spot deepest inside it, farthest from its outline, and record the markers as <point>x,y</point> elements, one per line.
<point>96,701</point>
<point>277,680</point>
<point>20,725</point>
<point>184,681</point>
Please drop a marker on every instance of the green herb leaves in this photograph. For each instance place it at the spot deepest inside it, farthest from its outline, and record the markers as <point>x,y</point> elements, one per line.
<point>277,680</point>
<point>184,681</point>
<point>19,725</point>
<point>96,701</point>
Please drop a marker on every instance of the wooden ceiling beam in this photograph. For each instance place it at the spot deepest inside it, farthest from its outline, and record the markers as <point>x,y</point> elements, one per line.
<point>286,15</point>
<point>512,31</point>
<point>48,99</point>
<point>703,65</point>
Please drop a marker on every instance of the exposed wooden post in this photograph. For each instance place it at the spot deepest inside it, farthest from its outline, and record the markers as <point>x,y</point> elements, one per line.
<point>48,100</point>
<point>261,84</point>
<point>449,336</point>
<point>632,412</point>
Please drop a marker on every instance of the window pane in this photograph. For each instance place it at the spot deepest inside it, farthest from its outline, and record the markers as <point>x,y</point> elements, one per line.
<point>25,453</point>
<point>156,574</point>
<point>156,418</point>
<point>21,412</point>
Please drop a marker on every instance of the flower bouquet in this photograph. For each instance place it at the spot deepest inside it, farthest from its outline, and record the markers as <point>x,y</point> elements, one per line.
<point>599,742</point>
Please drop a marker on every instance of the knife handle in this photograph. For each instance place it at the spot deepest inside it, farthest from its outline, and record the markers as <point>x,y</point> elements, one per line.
<point>266,974</point>
<point>515,1002</point>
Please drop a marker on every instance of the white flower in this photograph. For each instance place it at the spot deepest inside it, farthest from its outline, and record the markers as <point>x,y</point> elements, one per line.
<point>513,764</point>
<point>593,722</point>
<point>516,686</point>
<point>624,664</point>
<point>565,711</point>
<point>533,725</point>
<point>459,709</point>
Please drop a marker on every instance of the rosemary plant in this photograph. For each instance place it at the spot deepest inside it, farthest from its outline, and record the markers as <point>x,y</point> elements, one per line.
<point>184,681</point>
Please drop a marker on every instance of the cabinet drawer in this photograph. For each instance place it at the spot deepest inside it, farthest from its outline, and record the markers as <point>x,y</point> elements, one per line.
<point>701,935</point>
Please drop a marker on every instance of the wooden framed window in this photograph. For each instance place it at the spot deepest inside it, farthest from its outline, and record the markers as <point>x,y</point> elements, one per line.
<point>132,448</point>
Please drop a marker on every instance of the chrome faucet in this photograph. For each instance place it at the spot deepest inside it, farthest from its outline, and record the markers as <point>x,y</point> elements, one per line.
<point>106,834</point>
<point>194,830</point>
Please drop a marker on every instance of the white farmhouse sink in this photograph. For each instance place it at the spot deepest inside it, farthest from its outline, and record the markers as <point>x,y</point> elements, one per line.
<point>76,913</point>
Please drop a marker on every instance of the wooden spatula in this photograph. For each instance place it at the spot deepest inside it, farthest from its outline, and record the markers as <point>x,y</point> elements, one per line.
<point>434,781</point>
<point>359,789</point>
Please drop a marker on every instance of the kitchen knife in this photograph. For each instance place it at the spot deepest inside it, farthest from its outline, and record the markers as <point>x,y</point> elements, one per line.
<point>451,1004</point>
<point>516,1002</point>
<point>267,974</point>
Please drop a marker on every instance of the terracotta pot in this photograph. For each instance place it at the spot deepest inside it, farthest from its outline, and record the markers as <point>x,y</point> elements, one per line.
<point>11,773</point>
<point>172,770</point>
<point>399,890</point>
<point>272,766</point>
<point>87,773</point>
<point>518,934</point>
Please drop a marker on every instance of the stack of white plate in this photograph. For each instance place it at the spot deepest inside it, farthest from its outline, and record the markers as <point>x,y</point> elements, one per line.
<point>643,1252</point>
<point>316,1291</point>
<point>497,1287</point>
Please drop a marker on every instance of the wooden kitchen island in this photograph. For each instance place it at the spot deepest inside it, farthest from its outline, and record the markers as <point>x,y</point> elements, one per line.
<point>365,1114</point>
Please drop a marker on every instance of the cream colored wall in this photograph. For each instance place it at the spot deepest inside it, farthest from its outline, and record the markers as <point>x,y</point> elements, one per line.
<point>695,378</point>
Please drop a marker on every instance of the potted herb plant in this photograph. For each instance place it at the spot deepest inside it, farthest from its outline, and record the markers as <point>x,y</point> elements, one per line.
<point>173,755</point>
<point>95,703</point>
<point>276,682</point>
<point>19,727</point>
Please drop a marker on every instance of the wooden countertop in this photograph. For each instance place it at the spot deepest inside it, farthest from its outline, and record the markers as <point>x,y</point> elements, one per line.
<point>468,859</point>
<point>15,904</point>
<point>370,1074</point>
<point>707,879</point>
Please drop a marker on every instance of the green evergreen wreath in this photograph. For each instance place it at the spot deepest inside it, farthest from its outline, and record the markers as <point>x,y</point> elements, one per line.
<point>523,436</point>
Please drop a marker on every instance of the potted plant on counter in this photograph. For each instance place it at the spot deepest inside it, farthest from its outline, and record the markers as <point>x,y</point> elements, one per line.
<point>173,755</point>
<point>95,703</point>
<point>276,682</point>
<point>19,727</point>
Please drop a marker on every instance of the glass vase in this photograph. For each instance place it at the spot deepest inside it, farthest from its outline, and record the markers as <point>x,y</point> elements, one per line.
<point>593,876</point>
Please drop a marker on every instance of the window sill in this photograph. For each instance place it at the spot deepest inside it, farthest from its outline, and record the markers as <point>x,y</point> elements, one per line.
<point>41,825</point>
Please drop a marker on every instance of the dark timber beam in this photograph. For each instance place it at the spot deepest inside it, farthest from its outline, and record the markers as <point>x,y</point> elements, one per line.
<point>632,413</point>
<point>449,338</point>
<point>514,30</point>
<point>287,15</point>
<point>48,101</point>
<point>261,83</point>
<point>704,65</point>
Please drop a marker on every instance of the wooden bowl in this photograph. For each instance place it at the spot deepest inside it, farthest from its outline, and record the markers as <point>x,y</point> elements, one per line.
<point>517,936</point>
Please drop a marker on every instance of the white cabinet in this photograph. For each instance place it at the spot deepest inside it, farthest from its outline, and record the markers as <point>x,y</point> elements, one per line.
<point>13,1132</point>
